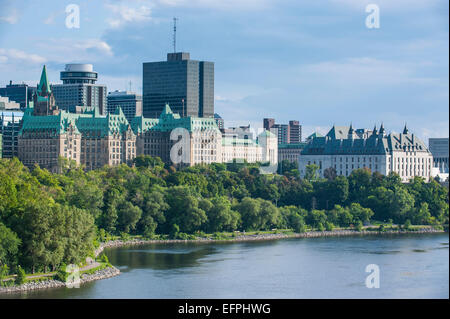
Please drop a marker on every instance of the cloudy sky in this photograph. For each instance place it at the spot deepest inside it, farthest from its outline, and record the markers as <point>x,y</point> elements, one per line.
<point>312,61</point>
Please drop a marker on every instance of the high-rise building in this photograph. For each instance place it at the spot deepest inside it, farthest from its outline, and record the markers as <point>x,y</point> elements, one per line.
<point>286,133</point>
<point>439,148</point>
<point>20,93</point>
<point>79,89</point>
<point>129,102</point>
<point>187,85</point>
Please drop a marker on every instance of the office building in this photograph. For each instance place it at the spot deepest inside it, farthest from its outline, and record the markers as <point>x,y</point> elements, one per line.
<point>219,121</point>
<point>7,105</point>
<point>439,148</point>
<point>11,123</point>
<point>79,88</point>
<point>346,149</point>
<point>286,133</point>
<point>186,85</point>
<point>129,102</point>
<point>19,93</point>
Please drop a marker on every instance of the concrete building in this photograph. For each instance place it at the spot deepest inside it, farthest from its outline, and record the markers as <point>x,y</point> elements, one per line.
<point>79,88</point>
<point>19,93</point>
<point>346,149</point>
<point>290,152</point>
<point>439,148</point>
<point>187,85</point>
<point>286,133</point>
<point>129,102</point>
<point>7,105</point>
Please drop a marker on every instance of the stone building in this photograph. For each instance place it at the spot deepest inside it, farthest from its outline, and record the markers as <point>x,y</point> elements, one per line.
<point>346,149</point>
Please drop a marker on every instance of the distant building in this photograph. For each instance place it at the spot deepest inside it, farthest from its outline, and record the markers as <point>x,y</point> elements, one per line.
<point>6,104</point>
<point>346,149</point>
<point>439,149</point>
<point>79,89</point>
<point>11,123</point>
<point>290,152</point>
<point>129,102</point>
<point>219,121</point>
<point>20,93</point>
<point>286,133</point>
<point>187,85</point>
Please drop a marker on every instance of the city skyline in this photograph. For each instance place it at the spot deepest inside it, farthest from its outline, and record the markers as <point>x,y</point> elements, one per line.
<point>269,61</point>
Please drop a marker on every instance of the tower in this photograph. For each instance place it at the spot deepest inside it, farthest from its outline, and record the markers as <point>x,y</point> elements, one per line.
<point>43,99</point>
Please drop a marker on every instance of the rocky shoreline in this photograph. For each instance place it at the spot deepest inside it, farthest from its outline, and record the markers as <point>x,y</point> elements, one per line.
<point>29,286</point>
<point>242,238</point>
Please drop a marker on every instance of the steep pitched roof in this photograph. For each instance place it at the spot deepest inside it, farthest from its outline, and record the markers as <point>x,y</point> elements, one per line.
<point>43,86</point>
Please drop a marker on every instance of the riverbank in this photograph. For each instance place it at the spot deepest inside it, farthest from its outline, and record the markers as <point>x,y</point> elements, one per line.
<point>257,237</point>
<point>84,278</point>
<point>112,271</point>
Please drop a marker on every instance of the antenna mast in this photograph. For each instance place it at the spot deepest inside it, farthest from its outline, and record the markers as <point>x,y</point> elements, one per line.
<point>174,35</point>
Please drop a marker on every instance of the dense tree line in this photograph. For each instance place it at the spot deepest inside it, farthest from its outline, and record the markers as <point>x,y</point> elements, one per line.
<point>49,219</point>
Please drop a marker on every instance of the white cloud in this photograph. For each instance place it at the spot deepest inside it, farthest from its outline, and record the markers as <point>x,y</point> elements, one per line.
<point>218,4</point>
<point>123,14</point>
<point>14,54</point>
<point>12,18</point>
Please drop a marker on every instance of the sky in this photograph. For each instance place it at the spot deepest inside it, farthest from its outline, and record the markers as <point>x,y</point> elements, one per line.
<point>311,61</point>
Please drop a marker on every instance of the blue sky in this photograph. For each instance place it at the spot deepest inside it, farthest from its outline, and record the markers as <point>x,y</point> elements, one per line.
<point>312,61</point>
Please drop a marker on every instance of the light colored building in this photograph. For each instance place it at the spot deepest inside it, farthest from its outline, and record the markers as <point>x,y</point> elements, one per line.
<point>7,105</point>
<point>345,150</point>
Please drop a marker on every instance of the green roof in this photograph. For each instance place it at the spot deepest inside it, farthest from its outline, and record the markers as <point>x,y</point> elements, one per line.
<point>43,83</point>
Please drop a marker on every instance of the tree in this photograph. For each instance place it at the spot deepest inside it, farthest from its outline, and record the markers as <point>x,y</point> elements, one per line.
<point>360,213</point>
<point>220,215</point>
<point>21,276</point>
<point>9,246</point>
<point>128,217</point>
<point>330,173</point>
<point>311,173</point>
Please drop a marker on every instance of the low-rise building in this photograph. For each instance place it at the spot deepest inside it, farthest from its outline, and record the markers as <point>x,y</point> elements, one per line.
<point>290,152</point>
<point>346,149</point>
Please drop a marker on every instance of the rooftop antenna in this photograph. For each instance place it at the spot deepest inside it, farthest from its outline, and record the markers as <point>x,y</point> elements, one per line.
<point>130,85</point>
<point>174,35</point>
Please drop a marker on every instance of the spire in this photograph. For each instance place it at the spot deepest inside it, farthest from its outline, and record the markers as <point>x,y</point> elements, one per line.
<point>405,130</point>
<point>375,130</point>
<point>381,129</point>
<point>43,88</point>
<point>350,131</point>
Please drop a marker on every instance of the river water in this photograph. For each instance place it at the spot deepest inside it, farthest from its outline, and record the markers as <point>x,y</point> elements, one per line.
<point>410,266</point>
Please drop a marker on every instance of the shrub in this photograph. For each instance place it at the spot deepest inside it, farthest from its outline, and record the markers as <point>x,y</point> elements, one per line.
<point>21,276</point>
<point>329,226</point>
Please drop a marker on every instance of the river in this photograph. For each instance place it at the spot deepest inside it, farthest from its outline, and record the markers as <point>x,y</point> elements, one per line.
<point>410,266</point>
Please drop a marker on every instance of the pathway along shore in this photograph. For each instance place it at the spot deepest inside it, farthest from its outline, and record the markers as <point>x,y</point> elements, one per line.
<point>113,271</point>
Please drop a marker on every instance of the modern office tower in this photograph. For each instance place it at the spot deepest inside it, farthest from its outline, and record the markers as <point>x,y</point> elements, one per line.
<point>286,133</point>
<point>11,123</point>
<point>131,103</point>
<point>345,149</point>
<point>439,148</point>
<point>79,89</point>
<point>20,93</point>
<point>187,85</point>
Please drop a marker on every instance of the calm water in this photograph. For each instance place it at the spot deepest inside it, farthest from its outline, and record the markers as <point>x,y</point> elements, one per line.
<point>411,266</point>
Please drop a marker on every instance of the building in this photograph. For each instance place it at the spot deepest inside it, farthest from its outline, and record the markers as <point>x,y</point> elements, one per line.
<point>439,148</point>
<point>79,89</point>
<point>11,123</point>
<point>129,102</point>
<point>19,93</point>
<point>286,133</point>
<point>346,149</point>
<point>187,85</point>
<point>219,121</point>
<point>195,140</point>
<point>7,105</point>
<point>290,152</point>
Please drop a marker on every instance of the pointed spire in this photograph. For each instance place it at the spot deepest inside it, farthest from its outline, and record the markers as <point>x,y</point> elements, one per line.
<point>375,130</point>
<point>350,131</point>
<point>43,88</point>
<point>381,129</point>
<point>405,130</point>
